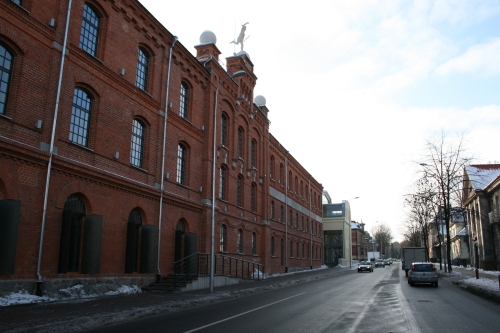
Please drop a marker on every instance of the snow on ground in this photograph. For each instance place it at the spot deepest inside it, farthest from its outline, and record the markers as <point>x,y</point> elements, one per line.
<point>79,292</point>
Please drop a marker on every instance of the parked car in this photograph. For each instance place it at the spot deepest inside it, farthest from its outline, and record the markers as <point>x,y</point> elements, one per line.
<point>365,266</point>
<point>423,272</point>
<point>379,262</point>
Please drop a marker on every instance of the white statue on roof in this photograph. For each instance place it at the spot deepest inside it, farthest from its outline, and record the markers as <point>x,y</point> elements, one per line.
<point>241,37</point>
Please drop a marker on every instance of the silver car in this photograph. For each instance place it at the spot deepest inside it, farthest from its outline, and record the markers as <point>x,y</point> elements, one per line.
<point>422,272</point>
<point>365,266</point>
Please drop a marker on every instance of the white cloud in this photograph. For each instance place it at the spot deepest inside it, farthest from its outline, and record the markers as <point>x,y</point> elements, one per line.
<point>482,59</point>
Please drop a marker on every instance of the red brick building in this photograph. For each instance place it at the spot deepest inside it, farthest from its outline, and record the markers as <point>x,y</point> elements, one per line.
<point>86,159</point>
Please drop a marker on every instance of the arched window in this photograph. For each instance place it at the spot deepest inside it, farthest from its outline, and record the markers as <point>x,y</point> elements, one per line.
<point>298,250</point>
<point>272,247</point>
<point>141,77</point>
<point>183,111</point>
<point>223,239</point>
<point>290,218</point>
<point>254,154</point>
<point>240,142</point>
<point>239,191</point>
<point>181,164</point>
<point>222,183</point>
<point>301,188</point>
<point>253,199</point>
<point>302,223</point>
<point>6,61</point>
<point>282,252</point>
<point>223,130</point>
<point>282,175</point>
<point>303,251</point>
<point>80,117</point>
<point>89,34</point>
<point>254,243</point>
<point>71,234</point>
<point>137,144</point>
<point>296,220</point>
<point>240,241</point>
<point>271,215</point>
<point>133,235</point>
<point>282,214</point>
<point>271,168</point>
<point>290,185</point>
<point>291,249</point>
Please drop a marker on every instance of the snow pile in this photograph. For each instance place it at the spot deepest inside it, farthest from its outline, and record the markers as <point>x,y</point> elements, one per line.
<point>75,292</point>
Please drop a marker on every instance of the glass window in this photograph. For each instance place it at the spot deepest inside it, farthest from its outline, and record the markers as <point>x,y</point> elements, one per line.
<point>272,211</point>
<point>291,249</point>
<point>282,174</point>
<point>271,168</point>
<point>18,2</point>
<point>240,142</point>
<point>272,246</point>
<point>80,117</point>
<point>184,101</point>
<point>282,214</point>
<point>240,241</point>
<point>254,152</point>
<point>222,183</point>
<point>223,132</point>
<point>181,164</point>
<point>239,191</point>
<point>253,200</point>
<point>223,238</point>
<point>6,61</point>
<point>141,78</point>
<point>90,30</point>
<point>137,144</point>
<point>254,243</point>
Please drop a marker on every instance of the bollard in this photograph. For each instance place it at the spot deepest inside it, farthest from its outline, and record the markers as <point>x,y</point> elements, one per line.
<point>477,273</point>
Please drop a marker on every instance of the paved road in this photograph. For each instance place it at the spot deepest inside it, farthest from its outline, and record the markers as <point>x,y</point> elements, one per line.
<point>381,301</point>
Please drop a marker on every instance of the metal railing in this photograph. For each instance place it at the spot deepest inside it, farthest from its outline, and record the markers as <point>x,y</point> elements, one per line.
<point>198,264</point>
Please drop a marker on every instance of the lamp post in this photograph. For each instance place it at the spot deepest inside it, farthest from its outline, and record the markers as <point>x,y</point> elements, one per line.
<point>212,243</point>
<point>350,236</point>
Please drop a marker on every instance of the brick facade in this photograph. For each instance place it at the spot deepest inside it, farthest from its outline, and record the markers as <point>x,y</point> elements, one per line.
<point>96,183</point>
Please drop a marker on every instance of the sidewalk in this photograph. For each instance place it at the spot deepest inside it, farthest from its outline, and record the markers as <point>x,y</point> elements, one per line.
<point>80,315</point>
<point>487,286</point>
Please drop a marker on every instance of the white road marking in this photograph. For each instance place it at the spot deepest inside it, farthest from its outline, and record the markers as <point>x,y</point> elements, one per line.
<point>241,314</point>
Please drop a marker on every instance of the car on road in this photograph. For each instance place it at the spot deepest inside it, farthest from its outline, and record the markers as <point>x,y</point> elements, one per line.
<point>379,262</point>
<point>423,272</point>
<point>365,266</point>
<point>387,262</point>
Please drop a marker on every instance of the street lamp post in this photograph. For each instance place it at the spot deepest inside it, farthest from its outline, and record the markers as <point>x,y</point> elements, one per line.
<point>350,236</point>
<point>212,237</point>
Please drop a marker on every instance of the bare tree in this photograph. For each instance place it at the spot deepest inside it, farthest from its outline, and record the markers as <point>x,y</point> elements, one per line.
<point>442,168</point>
<point>383,236</point>
<point>421,207</point>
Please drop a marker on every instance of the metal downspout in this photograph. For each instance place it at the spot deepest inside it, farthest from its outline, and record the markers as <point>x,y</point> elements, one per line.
<point>310,221</point>
<point>39,283</point>
<point>158,272</point>
<point>286,212</point>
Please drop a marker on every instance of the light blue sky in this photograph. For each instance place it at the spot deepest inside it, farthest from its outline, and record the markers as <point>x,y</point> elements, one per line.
<point>354,88</point>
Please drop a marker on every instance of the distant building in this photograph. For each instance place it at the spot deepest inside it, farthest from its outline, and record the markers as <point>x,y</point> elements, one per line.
<point>337,233</point>
<point>360,244</point>
<point>481,201</point>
